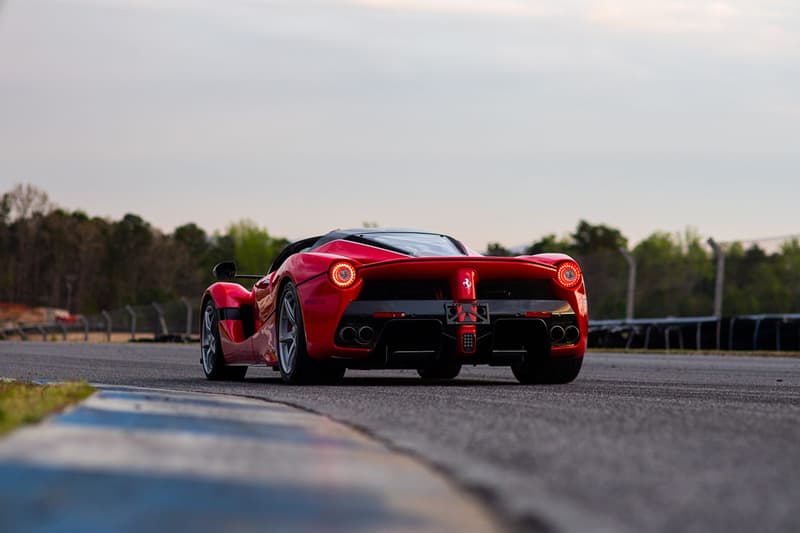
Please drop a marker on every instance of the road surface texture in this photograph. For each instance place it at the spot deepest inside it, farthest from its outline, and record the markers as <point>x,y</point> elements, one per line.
<point>637,443</point>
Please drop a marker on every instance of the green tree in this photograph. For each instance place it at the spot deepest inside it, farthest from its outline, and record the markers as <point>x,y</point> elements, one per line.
<point>129,243</point>
<point>498,250</point>
<point>551,244</point>
<point>254,248</point>
<point>592,238</point>
<point>675,276</point>
<point>193,238</point>
<point>596,247</point>
<point>5,209</point>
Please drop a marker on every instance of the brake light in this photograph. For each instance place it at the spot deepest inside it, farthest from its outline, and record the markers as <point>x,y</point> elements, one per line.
<point>343,275</point>
<point>568,275</point>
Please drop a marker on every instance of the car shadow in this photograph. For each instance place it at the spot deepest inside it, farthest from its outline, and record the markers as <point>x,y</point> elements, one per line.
<point>394,381</point>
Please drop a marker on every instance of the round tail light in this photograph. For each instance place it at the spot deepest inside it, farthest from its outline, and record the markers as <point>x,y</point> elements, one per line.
<point>569,275</point>
<point>343,275</point>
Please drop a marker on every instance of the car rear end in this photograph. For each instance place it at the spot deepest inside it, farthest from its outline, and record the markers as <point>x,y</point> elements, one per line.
<point>477,310</point>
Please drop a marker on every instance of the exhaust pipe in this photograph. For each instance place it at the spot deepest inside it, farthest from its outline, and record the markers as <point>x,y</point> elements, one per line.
<point>572,334</point>
<point>348,334</point>
<point>366,335</point>
<point>556,333</point>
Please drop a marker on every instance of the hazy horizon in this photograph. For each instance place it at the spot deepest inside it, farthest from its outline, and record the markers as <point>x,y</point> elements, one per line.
<point>493,121</point>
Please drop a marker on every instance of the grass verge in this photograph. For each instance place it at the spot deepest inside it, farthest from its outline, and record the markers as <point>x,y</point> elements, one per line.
<point>28,403</point>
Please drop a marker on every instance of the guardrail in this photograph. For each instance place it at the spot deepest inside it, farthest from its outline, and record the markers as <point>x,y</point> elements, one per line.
<point>779,332</point>
<point>160,322</point>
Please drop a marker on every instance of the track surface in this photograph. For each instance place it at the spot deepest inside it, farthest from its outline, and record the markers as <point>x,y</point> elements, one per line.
<point>637,443</point>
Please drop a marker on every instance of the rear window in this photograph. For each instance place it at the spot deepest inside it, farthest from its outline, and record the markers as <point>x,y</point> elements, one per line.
<point>413,244</point>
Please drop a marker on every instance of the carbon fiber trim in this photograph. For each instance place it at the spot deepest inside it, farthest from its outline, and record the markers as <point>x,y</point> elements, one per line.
<point>229,313</point>
<point>436,308</point>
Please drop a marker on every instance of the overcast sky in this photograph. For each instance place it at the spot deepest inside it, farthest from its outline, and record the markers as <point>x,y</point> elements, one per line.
<point>492,120</point>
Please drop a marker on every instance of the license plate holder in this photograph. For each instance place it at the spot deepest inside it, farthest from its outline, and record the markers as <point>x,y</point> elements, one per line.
<point>467,314</point>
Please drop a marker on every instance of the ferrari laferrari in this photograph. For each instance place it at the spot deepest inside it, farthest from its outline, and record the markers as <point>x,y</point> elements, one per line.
<point>396,299</point>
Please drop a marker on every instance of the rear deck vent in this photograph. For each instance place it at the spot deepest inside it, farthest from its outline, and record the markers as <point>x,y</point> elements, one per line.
<point>405,289</point>
<point>515,289</point>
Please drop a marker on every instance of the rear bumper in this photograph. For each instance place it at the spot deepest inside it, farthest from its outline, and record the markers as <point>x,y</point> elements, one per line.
<point>404,333</point>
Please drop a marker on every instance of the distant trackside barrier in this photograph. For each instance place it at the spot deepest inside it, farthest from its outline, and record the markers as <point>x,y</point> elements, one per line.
<point>778,332</point>
<point>174,321</point>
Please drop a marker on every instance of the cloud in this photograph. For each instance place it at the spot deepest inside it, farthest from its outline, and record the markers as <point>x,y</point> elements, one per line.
<point>502,8</point>
<point>753,27</point>
<point>738,26</point>
<point>665,16</point>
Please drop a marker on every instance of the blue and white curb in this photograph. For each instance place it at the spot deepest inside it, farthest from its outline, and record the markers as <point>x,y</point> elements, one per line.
<point>132,459</point>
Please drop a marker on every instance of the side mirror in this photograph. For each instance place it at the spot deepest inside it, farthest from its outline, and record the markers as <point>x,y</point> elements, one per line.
<point>225,271</point>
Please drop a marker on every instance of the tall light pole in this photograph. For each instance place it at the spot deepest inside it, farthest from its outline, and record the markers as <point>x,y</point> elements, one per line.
<point>629,307</point>
<point>719,285</point>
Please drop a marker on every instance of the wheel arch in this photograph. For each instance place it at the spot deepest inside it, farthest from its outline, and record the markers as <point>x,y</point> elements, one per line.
<point>228,295</point>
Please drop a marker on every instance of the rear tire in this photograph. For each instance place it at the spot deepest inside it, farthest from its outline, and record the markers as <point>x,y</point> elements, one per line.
<point>212,358</point>
<point>294,363</point>
<point>438,369</point>
<point>551,370</point>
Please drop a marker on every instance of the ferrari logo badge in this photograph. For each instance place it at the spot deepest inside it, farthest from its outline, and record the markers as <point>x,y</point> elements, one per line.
<point>467,284</point>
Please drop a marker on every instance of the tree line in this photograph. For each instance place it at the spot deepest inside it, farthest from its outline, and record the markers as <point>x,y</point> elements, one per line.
<point>71,260</point>
<point>54,257</point>
<point>676,273</point>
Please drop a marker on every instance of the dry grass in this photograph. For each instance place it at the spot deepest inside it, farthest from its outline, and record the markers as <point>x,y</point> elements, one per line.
<point>94,337</point>
<point>28,403</point>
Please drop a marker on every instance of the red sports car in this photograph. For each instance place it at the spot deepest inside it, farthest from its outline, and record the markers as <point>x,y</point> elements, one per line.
<point>379,298</point>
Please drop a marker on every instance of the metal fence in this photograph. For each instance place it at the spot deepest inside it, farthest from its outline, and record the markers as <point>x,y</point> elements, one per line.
<point>174,321</point>
<point>642,306</point>
<point>745,332</point>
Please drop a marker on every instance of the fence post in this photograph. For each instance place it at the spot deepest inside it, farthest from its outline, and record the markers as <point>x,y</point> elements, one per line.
<point>719,285</point>
<point>699,337</point>
<point>631,299</point>
<point>107,316</point>
<point>188,305</point>
<point>631,335</point>
<point>132,314</point>
<point>85,323</point>
<point>161,323</point>
<point>755,333</point>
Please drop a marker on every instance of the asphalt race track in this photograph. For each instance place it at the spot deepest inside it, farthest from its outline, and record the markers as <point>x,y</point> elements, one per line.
<point>637,443</point>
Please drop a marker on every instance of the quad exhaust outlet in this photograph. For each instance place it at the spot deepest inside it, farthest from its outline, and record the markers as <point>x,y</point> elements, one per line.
<point>366,335</point>
<point>352,335</point>
<point>572,334</point>
<point>348,334</point>
<point>557,333</point>
<point>568,335</point>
